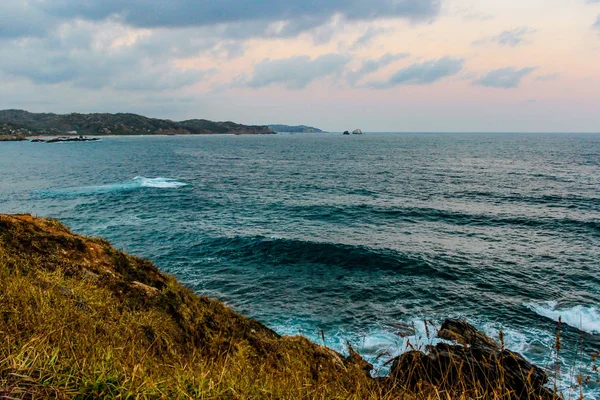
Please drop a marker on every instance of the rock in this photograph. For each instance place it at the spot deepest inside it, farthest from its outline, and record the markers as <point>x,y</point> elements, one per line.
<point>466,334</point>
<point>356,359</point>
<point>475,366</point>
<point>149,291</point>
<point>66,139</point>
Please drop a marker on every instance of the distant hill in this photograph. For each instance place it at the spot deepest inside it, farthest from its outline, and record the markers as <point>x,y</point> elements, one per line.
<point>294,128</point>
<point>118,124</point>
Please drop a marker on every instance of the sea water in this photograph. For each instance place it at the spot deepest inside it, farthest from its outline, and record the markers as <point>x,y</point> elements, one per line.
<point>359,238</point>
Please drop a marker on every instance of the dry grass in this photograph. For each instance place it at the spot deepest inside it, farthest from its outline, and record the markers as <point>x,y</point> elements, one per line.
<point>79,319</point>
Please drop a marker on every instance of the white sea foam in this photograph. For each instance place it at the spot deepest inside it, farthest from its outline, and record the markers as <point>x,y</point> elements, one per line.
<point>161,183</point>
<point>380,345</point>
<point>136,183</point>
<point>584,318</point>
<point>377,346</point>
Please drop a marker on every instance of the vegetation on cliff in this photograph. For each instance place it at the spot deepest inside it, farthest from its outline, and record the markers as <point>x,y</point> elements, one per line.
<point>80,319</point>
<point>117,124</point>
<point>12,132</point>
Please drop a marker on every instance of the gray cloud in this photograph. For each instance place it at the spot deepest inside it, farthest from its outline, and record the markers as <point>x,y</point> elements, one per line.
<point>18,19</point>
<point>177,13</point>
<point>370,66</point>
<point>513,37</point>
<point>71,42</point>
<point>366,38</point>
<point>422,73</point>
<point>505,78</point>
<point>296,72</point>
<point>546,78</point>
<point>76,56</point>
<point>21,18</point>
<point>597,24</point>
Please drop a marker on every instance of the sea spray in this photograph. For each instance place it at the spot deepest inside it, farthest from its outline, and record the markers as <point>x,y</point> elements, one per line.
<point>136,183</point>
<point>584,318</point>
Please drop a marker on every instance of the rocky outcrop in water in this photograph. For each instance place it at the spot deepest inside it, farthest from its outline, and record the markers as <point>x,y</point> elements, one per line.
<point>63,139</point>
<point>474,364</point>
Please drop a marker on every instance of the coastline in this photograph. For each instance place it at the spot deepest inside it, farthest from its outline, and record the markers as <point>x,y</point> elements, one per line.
<point>82,287</point>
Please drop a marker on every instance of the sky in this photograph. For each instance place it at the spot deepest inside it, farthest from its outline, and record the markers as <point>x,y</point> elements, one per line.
<point>378,65</point>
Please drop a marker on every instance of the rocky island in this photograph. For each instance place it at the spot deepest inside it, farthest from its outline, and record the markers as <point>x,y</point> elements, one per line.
<point>48,124</point>
<point>80,319</point>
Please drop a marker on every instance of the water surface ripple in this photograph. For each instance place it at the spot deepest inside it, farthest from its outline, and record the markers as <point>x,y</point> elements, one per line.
<point>352,236</point>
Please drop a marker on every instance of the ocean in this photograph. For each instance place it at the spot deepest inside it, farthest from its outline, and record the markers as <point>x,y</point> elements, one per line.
<point>350,238</point>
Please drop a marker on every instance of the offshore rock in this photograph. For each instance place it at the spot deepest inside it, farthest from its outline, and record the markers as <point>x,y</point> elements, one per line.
<point>476,365</point>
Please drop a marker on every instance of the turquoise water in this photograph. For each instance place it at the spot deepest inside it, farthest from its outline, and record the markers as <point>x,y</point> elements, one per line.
<point>348,238</point>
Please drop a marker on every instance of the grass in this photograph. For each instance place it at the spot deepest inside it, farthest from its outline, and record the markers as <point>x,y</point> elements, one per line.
<point>79,319</point>
<point>82,320</point>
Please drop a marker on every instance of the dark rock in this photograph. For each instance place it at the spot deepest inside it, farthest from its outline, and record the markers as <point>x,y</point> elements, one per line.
<point>404,330</point>
<point>466,334</point>
<point>356,359</point>
<point>66,139</point>
<point>478,365</point>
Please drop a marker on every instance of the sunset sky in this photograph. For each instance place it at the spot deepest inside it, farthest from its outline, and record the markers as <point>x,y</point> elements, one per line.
<point>379,65</point>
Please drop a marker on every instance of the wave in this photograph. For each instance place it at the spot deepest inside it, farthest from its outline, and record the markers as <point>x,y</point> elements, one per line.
<point>377,345</point>
<point>259,250</point>
<point>584,318</point>
<point>138,182</point>
<point>162,183</point>
<point>418,214</point>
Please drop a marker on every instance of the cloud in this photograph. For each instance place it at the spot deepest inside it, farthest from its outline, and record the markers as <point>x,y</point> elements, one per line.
<point>423,73</point>
<point>18,19</point>
<point>177,13</point>
<point>370,66</point>
<point>366,38</point>
<point>505,78</point>
<point>513,37</point>
<point>296,72</point>
<point>87,55</point>
<point>22,18</point>
<point>546,78</point>
<point>597,24</point>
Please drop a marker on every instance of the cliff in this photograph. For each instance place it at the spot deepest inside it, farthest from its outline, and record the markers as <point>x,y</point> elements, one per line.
<point>81,319</point>
<point>117,124</point>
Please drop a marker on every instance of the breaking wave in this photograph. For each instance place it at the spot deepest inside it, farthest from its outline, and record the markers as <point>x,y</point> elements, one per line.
<point>138,182</point>
<point>584,318</point>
